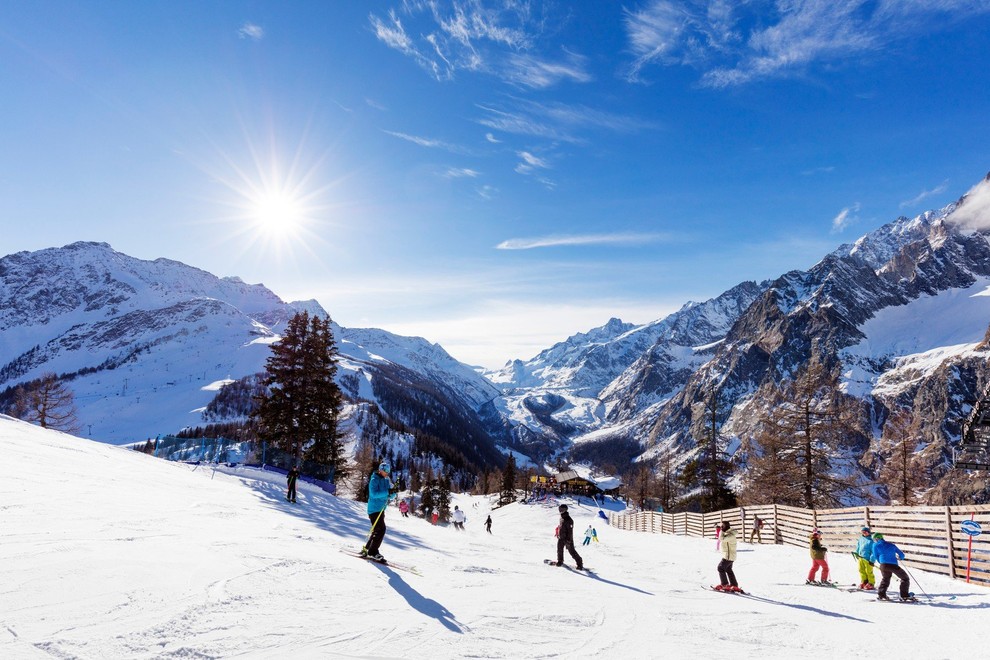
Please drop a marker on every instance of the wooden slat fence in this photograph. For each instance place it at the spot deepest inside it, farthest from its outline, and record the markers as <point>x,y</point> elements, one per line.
<point>930,536</point>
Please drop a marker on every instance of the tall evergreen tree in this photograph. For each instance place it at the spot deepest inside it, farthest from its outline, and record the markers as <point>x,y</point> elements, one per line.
<point>709,471</point>
<point>508,492</point>
<point>806,425</point>
<point>300,410</point>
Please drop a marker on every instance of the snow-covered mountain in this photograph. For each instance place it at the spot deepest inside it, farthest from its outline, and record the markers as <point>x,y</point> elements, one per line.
<point>147,344</point>
<point>904,311</point>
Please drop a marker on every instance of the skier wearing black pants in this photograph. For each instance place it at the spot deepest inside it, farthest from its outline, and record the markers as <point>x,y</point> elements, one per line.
<point>886,554</point>
<point>291,481</point>
<point>565,538</point>
<point>380,490</point>
<point>727,579</point>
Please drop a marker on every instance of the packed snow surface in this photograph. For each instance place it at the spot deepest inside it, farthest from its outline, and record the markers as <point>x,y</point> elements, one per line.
<point>108,553</point>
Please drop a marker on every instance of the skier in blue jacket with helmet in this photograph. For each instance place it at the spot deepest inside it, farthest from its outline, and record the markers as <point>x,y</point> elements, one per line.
<point>863,552</point>
<point>380,491</point>
<point>887,554</point>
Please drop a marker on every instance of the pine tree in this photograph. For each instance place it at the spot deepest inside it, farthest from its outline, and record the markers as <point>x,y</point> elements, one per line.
<point>806,424</point>
<point>300,411</point>
<point>442,498</point>
<point>508,492</point>
<point>709,471</point>
<point>904,472</point>
<point>47,403</point>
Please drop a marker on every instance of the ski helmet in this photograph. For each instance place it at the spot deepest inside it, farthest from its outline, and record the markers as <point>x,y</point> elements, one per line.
<point>878,536</point>
<point>385,467</point>
<point>562,508</point>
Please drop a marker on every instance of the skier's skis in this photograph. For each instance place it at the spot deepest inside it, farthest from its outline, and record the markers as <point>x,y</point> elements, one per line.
<point>722,591</point>
<point>391,564</point>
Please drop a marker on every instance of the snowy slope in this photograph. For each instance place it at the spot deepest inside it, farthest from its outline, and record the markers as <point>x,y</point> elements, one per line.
<point>106,553</point>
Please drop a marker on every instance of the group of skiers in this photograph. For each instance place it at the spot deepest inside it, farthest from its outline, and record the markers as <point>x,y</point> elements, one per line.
<point>870,549</point>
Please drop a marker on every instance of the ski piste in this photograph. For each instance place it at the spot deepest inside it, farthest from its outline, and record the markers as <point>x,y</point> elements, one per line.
<point>398,566</point>
<point>553,562</point>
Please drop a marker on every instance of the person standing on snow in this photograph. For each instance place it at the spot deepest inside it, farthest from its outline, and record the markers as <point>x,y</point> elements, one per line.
<point>380,491</point>
<point>864,550</point>
<point>458,518</point>
<point>817,558</point>
<point>757,526</point>
<point>404,508</point>
<point>886,554</point>
<point>565,538</point>
<point>290,479</point>
<point>588,534</point>
<point>488,524</point>
<point>727,579</point>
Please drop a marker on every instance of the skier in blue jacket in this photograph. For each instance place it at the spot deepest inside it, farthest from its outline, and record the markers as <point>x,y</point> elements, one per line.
<point>864,550</point>
<point>379,492</point>
<point>887,554</point>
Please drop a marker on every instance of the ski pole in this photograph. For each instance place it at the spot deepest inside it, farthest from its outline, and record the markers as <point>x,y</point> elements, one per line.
<point>911,575</point>
<point>372,530</point>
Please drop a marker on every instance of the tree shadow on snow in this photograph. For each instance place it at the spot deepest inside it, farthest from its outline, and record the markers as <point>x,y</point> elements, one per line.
<point>327,512</point>
<point>420,603</point>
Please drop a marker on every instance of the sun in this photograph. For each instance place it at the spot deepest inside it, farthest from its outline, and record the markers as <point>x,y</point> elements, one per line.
<point>277,213</point>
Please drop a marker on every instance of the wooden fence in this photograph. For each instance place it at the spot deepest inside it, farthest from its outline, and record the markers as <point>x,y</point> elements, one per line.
<point>930,536</point>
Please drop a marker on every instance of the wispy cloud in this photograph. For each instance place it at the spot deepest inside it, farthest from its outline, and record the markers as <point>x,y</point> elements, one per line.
<point>427,142</point>
<point>922,196</point>
<point>819,170</point>
<point>845,218</point>
<point>445,37</point>
<point>486,192</point>
<point>557,121</point>
<point>460,173</point>
<point>529,162</point>
<point>251,31</point>
<point>734,43</point>
<point>491,138</point>
<point>372,103</point>
<point>579,239</point>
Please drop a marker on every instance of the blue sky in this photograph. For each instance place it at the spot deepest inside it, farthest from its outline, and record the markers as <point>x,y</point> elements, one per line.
<point>493,176</point>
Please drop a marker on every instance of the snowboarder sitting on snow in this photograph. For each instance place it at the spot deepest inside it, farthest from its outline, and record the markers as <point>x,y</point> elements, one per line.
<point>886,554</point>
<point>458,518</point>
<point>817,558</point>
<point>588,534</point>
<point>380,491</point>
<point>290,479</point>
<point>726,577</point>
<point>565,538</point>
<point>864,550</point>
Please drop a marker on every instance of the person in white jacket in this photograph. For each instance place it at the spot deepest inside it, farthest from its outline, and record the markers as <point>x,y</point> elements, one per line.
<point>458,517</point>
<point>726,577</point>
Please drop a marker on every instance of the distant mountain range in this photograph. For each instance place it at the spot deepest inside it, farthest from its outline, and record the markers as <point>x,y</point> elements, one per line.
<point>904,310</point>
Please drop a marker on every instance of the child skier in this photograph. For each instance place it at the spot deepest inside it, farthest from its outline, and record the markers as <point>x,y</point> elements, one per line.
<point>886,554</point>
<point>726,577</point>
<point>817,558</point>
<point>757,526</point>
<point>290,480</point>
<point>864,550</point>
<point>588,534</point>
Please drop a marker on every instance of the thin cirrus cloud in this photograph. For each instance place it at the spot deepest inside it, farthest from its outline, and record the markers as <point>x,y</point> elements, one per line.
<point>579,239</point>
<point>427,142</point>
<point>556,121</point>
<point>845,217</point>
<point>922,196</point>
<point>734,43</point>
<point>251,31</point>
<point>465,35</point>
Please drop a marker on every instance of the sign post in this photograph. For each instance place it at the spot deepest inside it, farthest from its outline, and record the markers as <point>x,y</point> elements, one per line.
<point>972,529</point>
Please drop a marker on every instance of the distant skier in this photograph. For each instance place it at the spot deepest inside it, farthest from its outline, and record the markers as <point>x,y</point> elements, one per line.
<point>488,524</point>
<point>727,578</point>
<point>589,534</point>
<point>886,554</point>
<point>565,538</point>
<point>404,508</point>
<point>290,479</point>
<point>380,491</point>
<point>757,526</point>
<point>817,551</point>
<point>458,518</point>
<point>863,553</point>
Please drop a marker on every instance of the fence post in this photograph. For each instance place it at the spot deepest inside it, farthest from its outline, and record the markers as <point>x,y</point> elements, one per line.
<point>777,540</point>
<point>948,542</point>
<point>742,522</point>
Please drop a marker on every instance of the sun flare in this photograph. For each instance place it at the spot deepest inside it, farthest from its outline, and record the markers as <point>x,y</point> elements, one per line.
<point>277,213</point>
